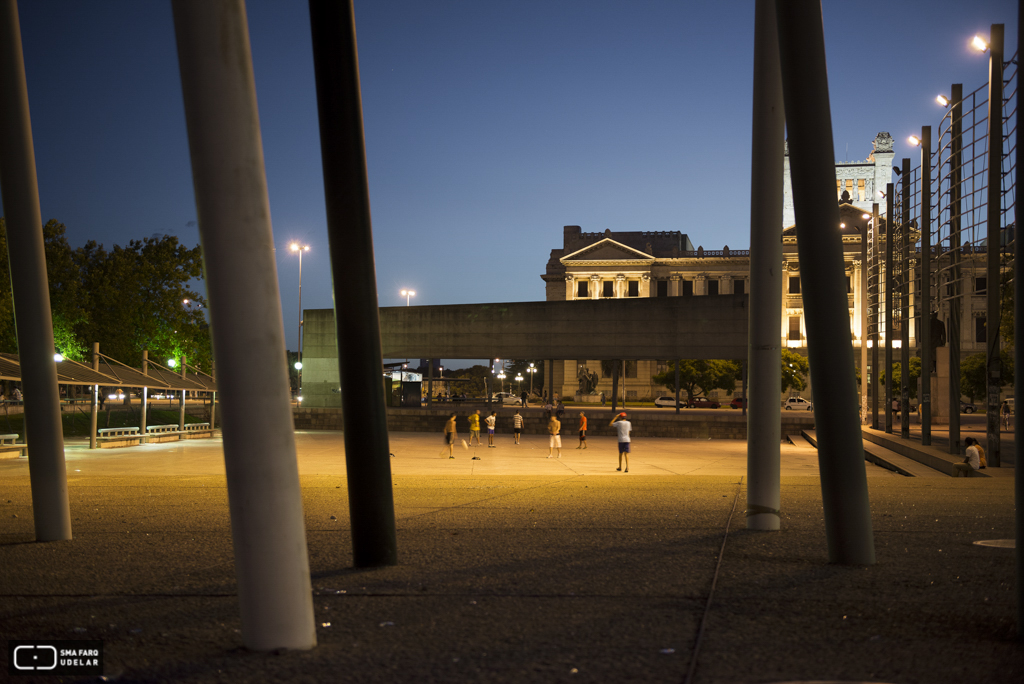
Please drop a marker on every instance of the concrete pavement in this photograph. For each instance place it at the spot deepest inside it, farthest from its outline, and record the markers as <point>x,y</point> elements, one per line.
<point>519,568</point>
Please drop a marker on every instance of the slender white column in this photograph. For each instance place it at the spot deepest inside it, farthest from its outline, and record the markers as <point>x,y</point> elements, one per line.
<point>264,499</point>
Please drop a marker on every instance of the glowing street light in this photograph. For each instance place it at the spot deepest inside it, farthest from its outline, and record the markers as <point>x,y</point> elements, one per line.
<point>531,370</point>
<point>914,140</point>
<point>296,247</point>
<point>407,294</point>
<point>171,363</point>
<point>58,357</point>
<point>979,43</point>
<point>942,100</point>
<point>501,378</point>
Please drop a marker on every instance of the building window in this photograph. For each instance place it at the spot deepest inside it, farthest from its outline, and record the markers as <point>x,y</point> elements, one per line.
<point>582,288</point>
<point>663,288</point>
<point>794,285</point>
<point>633,289</point>
<point>861,190</point>
<point>794,327</point>
<point>980,285</point>
<point>607,288</point>
<point>980,330</point>
<point>631,394</point>
<point>687,288</point>
<point>738,286</point>
<point>712,287</point>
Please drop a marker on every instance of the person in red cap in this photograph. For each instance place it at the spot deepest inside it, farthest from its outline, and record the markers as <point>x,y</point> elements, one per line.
<point>623,427</point>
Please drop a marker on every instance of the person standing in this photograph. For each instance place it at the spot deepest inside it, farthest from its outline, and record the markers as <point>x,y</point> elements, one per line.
<point>1004,410</point>
<point>517,426</point>
<point>450,434</point>
<point>623,427</point>
<point>474,427</point>
<point>523,397</point>
<point>555,438</point>
<point>895,408</point>
<point>583,431</point>
<point>490,420</point>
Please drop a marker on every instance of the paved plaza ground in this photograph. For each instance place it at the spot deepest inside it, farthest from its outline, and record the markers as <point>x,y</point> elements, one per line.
<point>519,568</point>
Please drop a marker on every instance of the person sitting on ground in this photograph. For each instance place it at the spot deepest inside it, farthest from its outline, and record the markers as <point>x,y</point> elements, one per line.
<point>972,460</point>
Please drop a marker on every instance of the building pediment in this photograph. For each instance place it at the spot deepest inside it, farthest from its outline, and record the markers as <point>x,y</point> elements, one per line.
<point>606,250</point>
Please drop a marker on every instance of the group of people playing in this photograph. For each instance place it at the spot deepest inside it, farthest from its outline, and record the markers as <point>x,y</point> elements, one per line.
<point>554,428</point>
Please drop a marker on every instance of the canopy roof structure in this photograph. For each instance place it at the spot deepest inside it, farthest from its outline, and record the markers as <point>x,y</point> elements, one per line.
<point>113,373</point>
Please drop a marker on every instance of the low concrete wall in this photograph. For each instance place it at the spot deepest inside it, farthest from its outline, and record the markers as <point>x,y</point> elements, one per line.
<point>725,425</point>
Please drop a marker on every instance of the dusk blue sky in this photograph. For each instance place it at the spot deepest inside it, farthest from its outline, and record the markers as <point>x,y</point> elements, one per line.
<point>489,125</point>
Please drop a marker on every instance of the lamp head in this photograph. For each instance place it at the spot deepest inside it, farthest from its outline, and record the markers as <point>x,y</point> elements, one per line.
<point>942,100</point>
<point>914,140</point>
<point>979,43</point>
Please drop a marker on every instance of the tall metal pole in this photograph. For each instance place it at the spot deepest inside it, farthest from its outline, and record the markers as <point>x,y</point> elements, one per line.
<point>812,167</point>
<point>864,383</point>
<point>181,406</point>
<point>145,396</point>
<point>876,226</point>
<point>905,303</point>
<point>367,451</point>
<point>94,410</point>
<point>1018,360</point>
<point>264,499</point>
<point>27,259</point>
<point>890,284</point>
<point>924,326</point>
<point>955,298</point>
<point>994,221</point>
<point>677,386</point>
<point>213,396</point>
<point>764,431</point>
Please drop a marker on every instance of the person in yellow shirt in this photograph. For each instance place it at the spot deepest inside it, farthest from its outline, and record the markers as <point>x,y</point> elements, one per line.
<point>474,427</point>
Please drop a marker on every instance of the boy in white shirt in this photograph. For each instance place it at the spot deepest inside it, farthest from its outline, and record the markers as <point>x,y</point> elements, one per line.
<point>623,427</point>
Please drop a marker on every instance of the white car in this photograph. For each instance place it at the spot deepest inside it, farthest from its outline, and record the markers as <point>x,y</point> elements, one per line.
<point>506,398</point>
<point>670,402</point>
<point>798,404</point>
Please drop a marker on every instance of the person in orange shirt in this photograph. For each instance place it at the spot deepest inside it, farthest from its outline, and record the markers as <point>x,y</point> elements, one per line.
<point>583,431</point>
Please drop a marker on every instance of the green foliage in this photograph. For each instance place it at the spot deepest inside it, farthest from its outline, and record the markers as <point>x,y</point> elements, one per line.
<point>698,377</point>
<point>973,370</point>
<point>794,371</point>
<point>128,299</point>
<point>897,375</point>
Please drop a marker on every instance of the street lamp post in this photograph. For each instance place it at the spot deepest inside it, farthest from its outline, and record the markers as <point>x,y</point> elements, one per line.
<point>407,294</point>
<point>501,381</point>
<point>519,379</point>
<point>531,370</point>
<point>296,247</point>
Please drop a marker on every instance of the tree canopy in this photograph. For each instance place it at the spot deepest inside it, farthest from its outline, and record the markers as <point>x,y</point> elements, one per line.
<point>972,374</point>
<point>698,377</point>
<point>897,376</point>
<point>129,299</point>
<point>794,371</point>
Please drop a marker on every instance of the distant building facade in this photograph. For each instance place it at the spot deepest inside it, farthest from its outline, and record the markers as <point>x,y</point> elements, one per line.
<point>666,264</point>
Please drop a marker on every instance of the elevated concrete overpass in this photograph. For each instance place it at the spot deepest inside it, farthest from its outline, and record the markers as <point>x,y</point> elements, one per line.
<point>709,327</point>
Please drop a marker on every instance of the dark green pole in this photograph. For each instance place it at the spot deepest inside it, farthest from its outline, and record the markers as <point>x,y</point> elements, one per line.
<point>812,166</point>
<point>1018,360</point>
<point>890,283</point>
<point>994,221</point>
<point>371,503</point>
<point>925,311</point>
<point>905,303</point>
<point>955,298</point>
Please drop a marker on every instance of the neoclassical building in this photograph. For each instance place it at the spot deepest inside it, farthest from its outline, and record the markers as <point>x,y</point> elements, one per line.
<point>665,264</point>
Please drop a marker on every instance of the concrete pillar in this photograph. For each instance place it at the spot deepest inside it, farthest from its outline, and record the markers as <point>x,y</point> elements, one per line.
<point>27,260</point>
<point>809,123</point>
<point>265,503</point>
<point>570,288</point>
<point>764,350</point>
<point>595,287</point>
<point>675,286</point>
<point>645,285</point>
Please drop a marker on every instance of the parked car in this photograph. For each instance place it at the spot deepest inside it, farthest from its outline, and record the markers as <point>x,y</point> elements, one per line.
<point>506,398</point>
<point>738,403</point>
<point>669,402</point>
<point>966,408</point>
<point>798,404</point>
<point>702,402</point>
